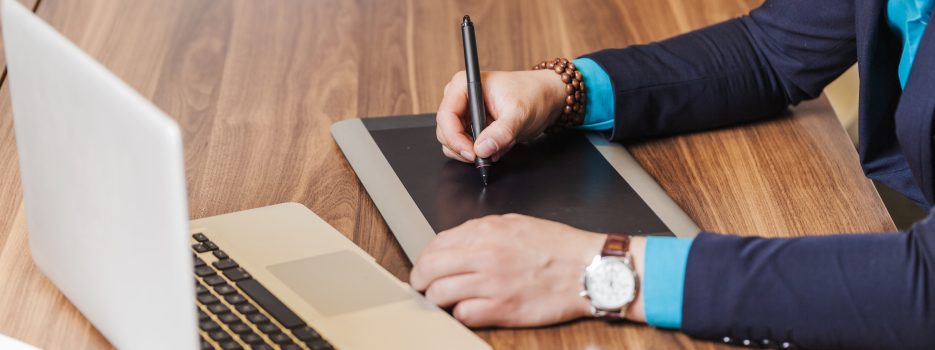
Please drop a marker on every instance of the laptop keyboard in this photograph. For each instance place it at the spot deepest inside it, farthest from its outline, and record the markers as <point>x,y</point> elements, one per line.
<point>236,312</point>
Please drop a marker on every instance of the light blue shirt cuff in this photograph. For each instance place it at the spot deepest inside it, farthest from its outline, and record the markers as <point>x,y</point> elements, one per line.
<point>664,280</point>
<point>599,108</point>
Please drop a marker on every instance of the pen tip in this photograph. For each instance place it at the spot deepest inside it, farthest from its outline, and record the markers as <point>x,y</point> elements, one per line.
<point>466,20</point>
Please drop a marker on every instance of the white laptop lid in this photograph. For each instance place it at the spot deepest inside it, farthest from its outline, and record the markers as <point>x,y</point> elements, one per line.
<point>102,174</point>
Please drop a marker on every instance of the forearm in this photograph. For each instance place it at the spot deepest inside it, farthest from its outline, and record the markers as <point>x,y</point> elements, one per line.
<point>737,71</point>
<point>700,80</point>
<point>840,291</point>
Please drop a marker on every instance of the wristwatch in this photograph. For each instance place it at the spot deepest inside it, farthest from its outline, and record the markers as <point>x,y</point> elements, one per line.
<point>610,281</point>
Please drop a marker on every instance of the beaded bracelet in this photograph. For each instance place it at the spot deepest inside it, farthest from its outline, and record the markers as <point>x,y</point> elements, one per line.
<point>575,99</point>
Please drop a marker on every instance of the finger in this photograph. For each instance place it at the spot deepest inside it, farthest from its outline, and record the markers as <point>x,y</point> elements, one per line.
<point>464,235</point>
<point>452,133</point>
<point>450,115</point>
<point>438,263</point>
<point>451,154</point>
<point>477,312</point>
<point>448,291</point>
<point>499,135</point>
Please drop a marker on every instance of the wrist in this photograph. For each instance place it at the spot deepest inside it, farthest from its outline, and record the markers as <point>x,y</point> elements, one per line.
<point>634,311</point>
<point>553,94</point>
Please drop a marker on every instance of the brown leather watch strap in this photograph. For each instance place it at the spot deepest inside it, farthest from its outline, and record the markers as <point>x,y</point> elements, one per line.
<point>616,245</point>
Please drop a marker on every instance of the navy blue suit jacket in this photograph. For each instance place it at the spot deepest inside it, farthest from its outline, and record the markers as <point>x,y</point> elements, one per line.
<point>853,291</point>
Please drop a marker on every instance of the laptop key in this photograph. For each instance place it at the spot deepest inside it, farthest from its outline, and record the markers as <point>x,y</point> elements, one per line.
<point>292,346</point>
<point>305,333</point>
<point>319,344</point>
<point>214,280</point>
<point>202,315</point>
<point>199,262</point>
<point>200,288</point>
<point>268,328</point>
<point>239,327</point>
<point>210,245</point>
<point>251,338</point>
<point>257,318</point>
<point>228,318</point>
<point>203,271</point>
<point>219,335</point>
<point>225,264</point>
<point>218,308</point>
<point>200,247</point>
<point>208,326</point>
<point>220,254</point>
<point>235,299</point>
<point>262,347</point>
<point>280,338</point>
<point>200,237</point>
<point>231,345</point>
<point>207,298</point>
<point>236,274</point>
<point>224,289</point>
<point>270,303</point>
<point>205,345</point>
<point>246,309</point>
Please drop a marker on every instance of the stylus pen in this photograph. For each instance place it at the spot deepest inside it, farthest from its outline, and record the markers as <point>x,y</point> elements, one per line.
<point>475,93</point>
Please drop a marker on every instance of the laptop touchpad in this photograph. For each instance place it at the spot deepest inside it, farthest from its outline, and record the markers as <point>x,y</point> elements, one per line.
<point>340,282</point>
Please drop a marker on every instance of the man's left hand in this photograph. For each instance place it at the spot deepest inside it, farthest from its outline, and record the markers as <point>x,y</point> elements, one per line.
<point>510,270</point>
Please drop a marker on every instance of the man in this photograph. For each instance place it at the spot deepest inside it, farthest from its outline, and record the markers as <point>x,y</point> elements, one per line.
<point>854,291</point>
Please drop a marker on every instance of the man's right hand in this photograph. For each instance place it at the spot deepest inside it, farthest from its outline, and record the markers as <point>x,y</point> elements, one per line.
<point>520,105</point>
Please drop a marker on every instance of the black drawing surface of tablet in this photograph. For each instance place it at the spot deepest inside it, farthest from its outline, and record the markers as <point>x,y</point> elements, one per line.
<point>560,177</point>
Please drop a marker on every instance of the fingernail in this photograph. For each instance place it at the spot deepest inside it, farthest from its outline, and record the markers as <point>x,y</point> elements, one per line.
<point>467,155</point>
<point>487,148</point>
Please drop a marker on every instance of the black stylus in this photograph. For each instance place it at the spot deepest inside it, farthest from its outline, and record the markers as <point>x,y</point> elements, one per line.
<point>475,93</point>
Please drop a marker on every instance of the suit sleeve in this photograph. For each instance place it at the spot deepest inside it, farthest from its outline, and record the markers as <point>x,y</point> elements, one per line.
<point>738,71</point>
<point>860,291</point>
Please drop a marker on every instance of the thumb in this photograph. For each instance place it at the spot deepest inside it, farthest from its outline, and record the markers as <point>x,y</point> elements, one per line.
<point>496,136</point>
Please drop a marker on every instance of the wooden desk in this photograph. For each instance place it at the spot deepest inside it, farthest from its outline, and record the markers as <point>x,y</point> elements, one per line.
<point>256,84</point>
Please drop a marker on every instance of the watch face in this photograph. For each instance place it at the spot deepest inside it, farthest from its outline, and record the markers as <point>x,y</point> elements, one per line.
<point>610,284</point>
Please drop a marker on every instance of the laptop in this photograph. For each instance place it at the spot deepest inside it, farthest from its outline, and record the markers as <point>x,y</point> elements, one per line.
<point>104,188</point>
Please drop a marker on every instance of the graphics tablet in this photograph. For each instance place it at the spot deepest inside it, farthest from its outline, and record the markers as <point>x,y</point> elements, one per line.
<point>576,178</point>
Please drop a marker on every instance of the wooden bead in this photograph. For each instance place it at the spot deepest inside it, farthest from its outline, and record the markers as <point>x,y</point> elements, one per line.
<point>577,95</point>
<point>582,88</point>
<point>570,71</point>
<point>568,109</point>
<point>567,78</point>
<point>575,83</point>
<point>572,65</point>
<point>569,100</point>
<point>569,88</point>
<point>565,61</point>
<point>550,65</point>
<point>578,75</point>
<point>558,69</point>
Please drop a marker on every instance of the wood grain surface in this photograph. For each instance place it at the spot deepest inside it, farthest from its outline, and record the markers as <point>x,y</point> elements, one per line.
<point>255,86</point>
